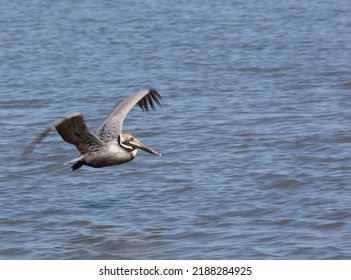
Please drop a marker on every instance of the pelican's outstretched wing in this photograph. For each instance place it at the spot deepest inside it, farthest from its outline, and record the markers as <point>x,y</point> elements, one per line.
<point>29,148</point>
<point>74,130</point>
<point>112,126</point>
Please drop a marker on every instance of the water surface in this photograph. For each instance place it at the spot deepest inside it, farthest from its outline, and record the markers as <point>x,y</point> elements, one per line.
<point>254,130</point>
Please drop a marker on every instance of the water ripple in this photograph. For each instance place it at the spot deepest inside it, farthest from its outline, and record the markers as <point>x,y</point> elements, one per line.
<point>254,130</point>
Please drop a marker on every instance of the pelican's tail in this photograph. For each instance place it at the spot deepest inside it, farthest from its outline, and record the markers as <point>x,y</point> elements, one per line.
<point>77,163</point>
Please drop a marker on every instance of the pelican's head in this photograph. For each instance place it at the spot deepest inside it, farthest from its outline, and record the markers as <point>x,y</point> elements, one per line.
<point>128,141</point>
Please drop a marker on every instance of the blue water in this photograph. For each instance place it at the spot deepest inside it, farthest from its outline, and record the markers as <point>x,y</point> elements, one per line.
<point>254,130</point>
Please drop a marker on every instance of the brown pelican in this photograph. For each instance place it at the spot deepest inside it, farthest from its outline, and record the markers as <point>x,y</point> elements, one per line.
<point>108,146</point>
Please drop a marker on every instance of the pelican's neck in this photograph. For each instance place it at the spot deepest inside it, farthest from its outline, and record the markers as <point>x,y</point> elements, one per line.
<point>134,153</point>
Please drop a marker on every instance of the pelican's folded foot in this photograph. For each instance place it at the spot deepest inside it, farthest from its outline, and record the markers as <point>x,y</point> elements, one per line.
<point>77,165</point>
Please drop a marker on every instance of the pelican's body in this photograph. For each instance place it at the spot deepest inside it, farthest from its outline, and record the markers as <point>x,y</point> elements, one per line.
<point>106,154</point>
<point>111,154</point>
<point>108,146</point>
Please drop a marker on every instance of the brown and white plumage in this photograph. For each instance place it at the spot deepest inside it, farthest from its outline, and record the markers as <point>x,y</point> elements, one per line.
<point>108,146</point>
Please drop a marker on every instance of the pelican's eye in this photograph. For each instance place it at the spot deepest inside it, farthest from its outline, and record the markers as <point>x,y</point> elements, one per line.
<point>130,138</point>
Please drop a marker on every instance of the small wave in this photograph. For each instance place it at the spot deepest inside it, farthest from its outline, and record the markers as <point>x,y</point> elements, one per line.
<point>331,225</point>
<point>283,183</point>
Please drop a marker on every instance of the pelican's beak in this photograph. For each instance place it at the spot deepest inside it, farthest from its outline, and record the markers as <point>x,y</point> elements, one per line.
<point>137,144</point>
